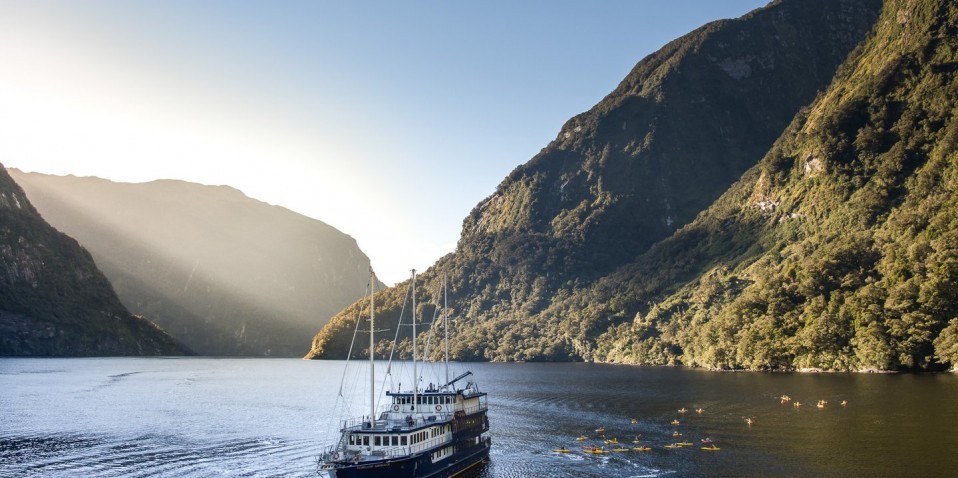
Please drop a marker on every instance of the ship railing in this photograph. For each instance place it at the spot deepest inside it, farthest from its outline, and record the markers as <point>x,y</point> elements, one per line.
<point>327,455</point>
<point>392,452</point>
<point>368,453</point>
<point>430,443</point>
<point>401,420</point>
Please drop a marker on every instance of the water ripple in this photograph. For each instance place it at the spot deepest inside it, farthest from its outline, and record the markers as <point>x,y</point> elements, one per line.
<point>152,455</point>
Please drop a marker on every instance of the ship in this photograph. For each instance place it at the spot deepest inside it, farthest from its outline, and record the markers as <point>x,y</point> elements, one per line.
<point>434,431</point>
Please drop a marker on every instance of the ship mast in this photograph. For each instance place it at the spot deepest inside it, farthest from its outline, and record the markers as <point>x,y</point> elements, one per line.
<point>372,363</point>
<point>415,372</point>
<point>445,320</point>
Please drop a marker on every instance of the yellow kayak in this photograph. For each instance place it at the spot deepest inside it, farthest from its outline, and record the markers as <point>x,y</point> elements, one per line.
<point>642,448</point>
<point>593,449</point>
<point>684,443</point>
<point>673,445</point>
<point>611,441</point>
<point>711,448</point>
<point>620,449</point>
<point>562,450</point>
<point>582,438</point>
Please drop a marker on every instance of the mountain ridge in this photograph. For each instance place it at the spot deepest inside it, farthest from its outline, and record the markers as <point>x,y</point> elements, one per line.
<point>53,300</point>
<point>844,256</point>
<point>681,128</point>
<point>225,273</point>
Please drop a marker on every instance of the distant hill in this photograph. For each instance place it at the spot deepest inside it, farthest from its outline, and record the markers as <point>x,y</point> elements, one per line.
<point>223,273</point>
<point>677,132</point>
<point>53,299</point>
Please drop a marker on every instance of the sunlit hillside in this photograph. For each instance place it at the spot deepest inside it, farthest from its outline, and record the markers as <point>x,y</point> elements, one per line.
<point>224,273</point>
<point>53,300</point>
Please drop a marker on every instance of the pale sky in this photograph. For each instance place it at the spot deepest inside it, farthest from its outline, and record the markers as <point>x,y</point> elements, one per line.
<point>389,120</point>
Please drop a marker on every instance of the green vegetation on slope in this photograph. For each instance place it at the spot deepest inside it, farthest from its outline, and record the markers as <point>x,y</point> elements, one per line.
<point>53,299</point>
<point>840,250</point>
<point>675,134</point>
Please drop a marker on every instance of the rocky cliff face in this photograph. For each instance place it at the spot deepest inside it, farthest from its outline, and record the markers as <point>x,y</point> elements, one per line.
<point>673,136</point>
<point>53,299</point>
<point>685,124</point>
<point>839,251</point>
<point>223,273</point>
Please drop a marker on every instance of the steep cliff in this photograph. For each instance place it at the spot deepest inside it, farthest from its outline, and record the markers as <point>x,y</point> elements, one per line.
<point>53,299</point>
<point>839,251</point>
<point>686,123</point>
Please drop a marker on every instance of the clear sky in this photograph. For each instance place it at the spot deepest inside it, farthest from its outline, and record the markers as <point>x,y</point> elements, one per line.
<point>389,120</point>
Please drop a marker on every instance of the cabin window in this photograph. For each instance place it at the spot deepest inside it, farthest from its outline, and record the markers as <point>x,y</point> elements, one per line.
<point>352,440</point>
<point>377,441</point>
<point>366,440</point>
<point>402,440</point>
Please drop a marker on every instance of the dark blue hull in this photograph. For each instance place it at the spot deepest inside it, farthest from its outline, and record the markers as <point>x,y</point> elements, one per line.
<point>419,466</point>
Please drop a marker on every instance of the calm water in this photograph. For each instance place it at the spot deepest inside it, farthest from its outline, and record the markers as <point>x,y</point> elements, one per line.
<point>200,417</point>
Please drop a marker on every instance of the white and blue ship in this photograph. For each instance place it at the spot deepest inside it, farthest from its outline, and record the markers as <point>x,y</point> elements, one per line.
<point>433,432</point>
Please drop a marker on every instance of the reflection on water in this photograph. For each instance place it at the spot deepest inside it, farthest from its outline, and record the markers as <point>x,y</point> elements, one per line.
<point>268,417</point>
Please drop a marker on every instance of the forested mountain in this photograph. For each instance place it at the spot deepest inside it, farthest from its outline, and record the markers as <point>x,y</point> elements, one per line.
<point>839,251</point>
<point>223,273</point>
<point>684,125</point>
<point>53,299</point>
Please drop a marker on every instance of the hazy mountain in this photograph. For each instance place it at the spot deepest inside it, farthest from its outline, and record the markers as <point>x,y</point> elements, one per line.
<point>685,124</point>
<point>223,273</point>
<point>53,300</point>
